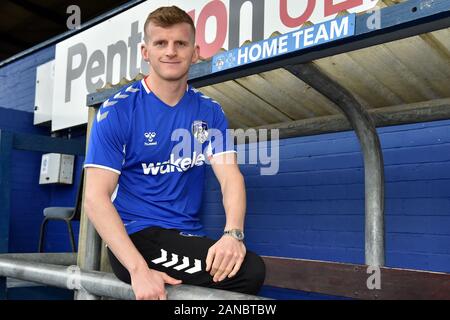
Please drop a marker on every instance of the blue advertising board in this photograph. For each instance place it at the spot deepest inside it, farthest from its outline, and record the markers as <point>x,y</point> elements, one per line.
<point>301,39</point>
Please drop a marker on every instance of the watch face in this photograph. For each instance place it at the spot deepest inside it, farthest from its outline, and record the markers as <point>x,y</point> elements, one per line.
<point>235,233</point>
<point>239,234</point>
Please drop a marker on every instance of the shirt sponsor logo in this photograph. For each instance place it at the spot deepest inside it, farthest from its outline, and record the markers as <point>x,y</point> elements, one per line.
<point>173,165</point>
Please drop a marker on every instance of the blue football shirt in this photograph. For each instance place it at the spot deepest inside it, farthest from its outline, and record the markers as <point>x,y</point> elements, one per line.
<point>160,153</point>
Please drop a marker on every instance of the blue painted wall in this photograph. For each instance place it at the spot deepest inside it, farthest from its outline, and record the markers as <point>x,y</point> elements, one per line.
<point>18,80</point>
<point>28,198</point>
<point>314,207</point>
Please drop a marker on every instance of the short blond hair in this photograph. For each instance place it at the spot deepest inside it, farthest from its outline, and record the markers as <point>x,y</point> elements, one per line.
<point>166,17</point>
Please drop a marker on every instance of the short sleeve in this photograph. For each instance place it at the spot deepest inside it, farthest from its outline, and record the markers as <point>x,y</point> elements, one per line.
<point>221,140</point>
<point>107,141</point>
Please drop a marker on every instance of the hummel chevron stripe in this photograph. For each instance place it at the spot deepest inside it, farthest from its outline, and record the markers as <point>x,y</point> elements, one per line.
<point>108,103</point>
<point>163,257</point>
<point>184,265</point>
<point>131,89</point>
<point>120,96</point>
<point>101,116</point>
<point>196,268</point>
<point>174,261</point>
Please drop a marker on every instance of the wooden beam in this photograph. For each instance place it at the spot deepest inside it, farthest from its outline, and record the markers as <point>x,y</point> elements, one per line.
<point>350,280</point>
<point>83,233</point>
<point>432,110</point>
<point>48,144</point>
<point>425,111</point>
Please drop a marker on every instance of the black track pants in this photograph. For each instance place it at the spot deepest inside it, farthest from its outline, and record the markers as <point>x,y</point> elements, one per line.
<point>183,257</point>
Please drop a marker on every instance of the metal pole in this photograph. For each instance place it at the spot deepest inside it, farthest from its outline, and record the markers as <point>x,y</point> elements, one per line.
<point>363,125</point>
<point>62,259</point>
<point>103,284</point>
<point>91,258</point>
<point>93,247</point>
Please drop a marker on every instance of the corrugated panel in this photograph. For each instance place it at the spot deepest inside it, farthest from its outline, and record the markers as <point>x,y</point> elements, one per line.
<point>400,72</point>
<point>281,88</point>
<point>270,97</point>
<point>405,71</point>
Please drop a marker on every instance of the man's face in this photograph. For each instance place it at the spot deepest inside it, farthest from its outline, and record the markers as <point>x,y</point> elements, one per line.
<point>170,51</point>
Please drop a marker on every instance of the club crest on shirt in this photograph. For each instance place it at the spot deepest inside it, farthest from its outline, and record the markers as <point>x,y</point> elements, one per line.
<point>200,130</point>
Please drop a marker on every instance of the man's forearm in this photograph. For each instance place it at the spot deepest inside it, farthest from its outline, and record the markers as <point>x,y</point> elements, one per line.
<point>107,222</point>
<point>234,201</point>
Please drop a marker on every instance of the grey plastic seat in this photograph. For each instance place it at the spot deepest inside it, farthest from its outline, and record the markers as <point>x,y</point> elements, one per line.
<point>58,212</point>
<point>67,214</point>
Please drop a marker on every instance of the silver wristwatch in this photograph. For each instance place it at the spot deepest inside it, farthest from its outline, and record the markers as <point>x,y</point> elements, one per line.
<point>235,233</point>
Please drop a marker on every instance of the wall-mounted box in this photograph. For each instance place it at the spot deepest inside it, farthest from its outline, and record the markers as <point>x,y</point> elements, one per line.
<point>43,99</point>
<point>56,168</point>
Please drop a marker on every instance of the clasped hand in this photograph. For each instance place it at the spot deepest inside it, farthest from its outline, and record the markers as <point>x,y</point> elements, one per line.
<point>225,258</point>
